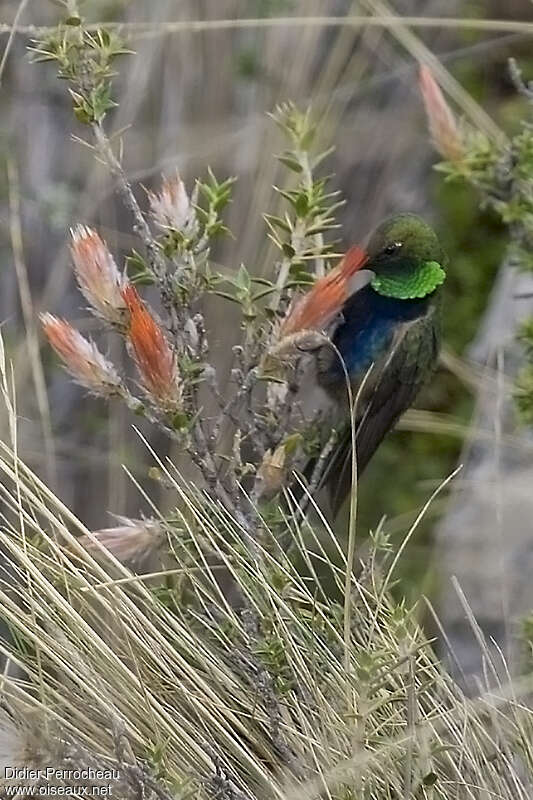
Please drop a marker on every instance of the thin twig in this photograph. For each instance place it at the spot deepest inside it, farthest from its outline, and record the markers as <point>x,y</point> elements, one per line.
<point>12,32</point>
<point>515,73</point>
<point>140,226</point>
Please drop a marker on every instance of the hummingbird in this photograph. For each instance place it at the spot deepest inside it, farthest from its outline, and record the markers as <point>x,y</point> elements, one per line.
<point>381,310</point>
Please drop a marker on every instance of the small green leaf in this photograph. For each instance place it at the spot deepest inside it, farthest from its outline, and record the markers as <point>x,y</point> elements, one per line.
<point>262,281</point>
<point>146,278</point>
<point>302,205</point>
<point>227,296</point>
<point>291,162</point>
<point>288,249</point>
<point>243,279</point>
<point>263,293</point>
<point>291,443</point>
<point>307,139</point>
<point>138,271</point>
<point>277,222</point>
<point>82,116</point>
<point>181,421</point>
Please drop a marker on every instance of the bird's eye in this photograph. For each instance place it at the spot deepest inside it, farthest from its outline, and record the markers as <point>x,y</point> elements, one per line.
<point>392,248</point>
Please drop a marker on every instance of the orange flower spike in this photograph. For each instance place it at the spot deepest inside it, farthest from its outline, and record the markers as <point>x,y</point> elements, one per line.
<point>153,355</point>
<point>442,124</point>
<point>316,309</point>
<point>98,276</point>
<point>81,357</point>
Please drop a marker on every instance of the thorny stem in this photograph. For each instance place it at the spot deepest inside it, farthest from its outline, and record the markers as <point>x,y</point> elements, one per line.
<point>221,787</point>
<point>264,684</point>
<point>231,406</point>
<point>140,226</point>
<point>281,280</point>
<point>515,74</point>
<point>200,450</point>
<point>136,776</point>
<point>318,238</point>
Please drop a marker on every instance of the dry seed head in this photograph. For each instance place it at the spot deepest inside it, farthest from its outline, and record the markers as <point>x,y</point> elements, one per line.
<point>131,543</point>
<point>23,745</point>
<point>271,472</point>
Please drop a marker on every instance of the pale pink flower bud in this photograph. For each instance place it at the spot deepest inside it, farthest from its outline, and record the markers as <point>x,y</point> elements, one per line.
<point>98,277</point>
<point>171,207</point>
<point>81,357</point>
<point>131,542</point>
<point>442,124</point>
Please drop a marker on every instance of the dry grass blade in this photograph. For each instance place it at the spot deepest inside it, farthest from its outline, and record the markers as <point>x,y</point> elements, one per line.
<point>96,644</point>
<point>140,30</point>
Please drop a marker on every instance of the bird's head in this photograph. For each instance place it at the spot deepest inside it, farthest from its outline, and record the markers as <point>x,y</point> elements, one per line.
<point>406,258</point>
<point>403,260</point>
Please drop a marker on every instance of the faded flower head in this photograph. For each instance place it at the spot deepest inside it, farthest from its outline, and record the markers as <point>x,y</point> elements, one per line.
<point>14,749</point>
<point>131,542</point>
<point>443,127</point>
<point>22,746</point>
<point>98,277</point>
<point>81,357</point>
<point>155,359</point>
<point>271,472</point>
<point>171,207</point>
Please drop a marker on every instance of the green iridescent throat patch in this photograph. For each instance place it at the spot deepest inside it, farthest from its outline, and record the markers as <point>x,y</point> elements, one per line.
<point>420,282</point>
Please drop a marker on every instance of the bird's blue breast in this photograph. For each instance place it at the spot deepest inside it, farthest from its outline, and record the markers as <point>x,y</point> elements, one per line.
<point>370,321</point>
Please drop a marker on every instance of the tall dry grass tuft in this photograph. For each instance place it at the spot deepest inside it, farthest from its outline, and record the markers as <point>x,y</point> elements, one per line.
<point>157,679</point>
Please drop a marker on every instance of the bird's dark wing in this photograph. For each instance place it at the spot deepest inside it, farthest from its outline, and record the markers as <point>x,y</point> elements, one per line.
<point>409,362</point>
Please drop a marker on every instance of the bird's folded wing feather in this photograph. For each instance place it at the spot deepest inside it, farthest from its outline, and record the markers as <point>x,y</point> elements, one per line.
<point>394,387</point>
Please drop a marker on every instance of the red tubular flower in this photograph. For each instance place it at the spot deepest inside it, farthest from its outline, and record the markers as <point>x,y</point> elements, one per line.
<point>442,124</point>
<point>98,276</point>
<point>81,356</point>
<point>153,355</point>
<point>318,307</point>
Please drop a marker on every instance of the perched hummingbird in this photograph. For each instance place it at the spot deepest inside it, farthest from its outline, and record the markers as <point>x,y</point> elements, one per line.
<point>388,328</point>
